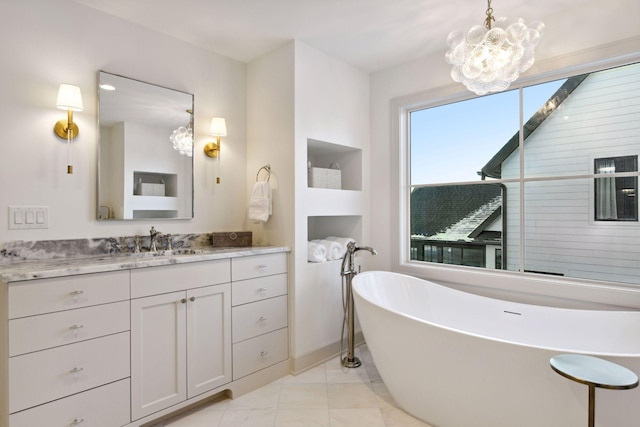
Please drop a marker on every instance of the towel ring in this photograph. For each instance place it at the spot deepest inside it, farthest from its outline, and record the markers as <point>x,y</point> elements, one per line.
<point>267,169</point>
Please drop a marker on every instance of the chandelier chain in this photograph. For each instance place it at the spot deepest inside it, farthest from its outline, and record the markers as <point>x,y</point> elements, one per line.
<point>487,21</point>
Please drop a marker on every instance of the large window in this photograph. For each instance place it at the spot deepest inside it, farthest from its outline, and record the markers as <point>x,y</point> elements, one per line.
<point>515,180</point>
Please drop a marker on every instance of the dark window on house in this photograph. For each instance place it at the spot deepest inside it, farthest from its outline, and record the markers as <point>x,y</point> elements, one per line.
<point>498,259</point>
<point>473,257</point>
<point>616,197</point>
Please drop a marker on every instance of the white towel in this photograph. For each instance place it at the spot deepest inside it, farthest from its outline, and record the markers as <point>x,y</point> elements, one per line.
<point>334,249</point>
<point>344,241</point>
<point>260,205</point>
<point>316,252</point>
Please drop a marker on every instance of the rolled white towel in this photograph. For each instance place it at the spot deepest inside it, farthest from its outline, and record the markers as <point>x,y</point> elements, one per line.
<point>334,249</point>
<point>316,252</point>
<point>344,241</point>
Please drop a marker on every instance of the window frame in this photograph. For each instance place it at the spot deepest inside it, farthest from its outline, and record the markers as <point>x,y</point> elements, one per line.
<point>489,281</point>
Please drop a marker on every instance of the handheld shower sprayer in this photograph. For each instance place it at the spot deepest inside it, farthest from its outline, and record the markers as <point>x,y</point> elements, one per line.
<point>347,272</point>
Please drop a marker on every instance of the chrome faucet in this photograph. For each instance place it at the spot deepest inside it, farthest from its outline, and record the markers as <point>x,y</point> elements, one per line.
<point>153,243</point>
<point>347,272</point>
<point>347,260</point>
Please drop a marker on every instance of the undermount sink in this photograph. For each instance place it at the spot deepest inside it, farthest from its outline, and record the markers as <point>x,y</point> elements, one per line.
<point>163,253</point>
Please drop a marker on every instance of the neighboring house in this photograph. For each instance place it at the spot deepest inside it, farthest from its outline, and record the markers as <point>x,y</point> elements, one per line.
<point>460,224</point>
<point>579,227</point>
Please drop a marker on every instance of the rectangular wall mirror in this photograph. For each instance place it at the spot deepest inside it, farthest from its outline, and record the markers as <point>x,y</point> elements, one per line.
<point>145,159</point>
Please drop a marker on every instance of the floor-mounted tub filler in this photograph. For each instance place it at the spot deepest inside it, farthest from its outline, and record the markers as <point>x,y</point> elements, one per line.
<point>454,359</point>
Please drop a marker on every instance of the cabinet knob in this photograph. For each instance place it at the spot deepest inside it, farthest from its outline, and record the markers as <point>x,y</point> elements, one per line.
<point>76,294</point>
<point>264,354</point>
<point>263,266</point>
<point>263,318</point>
<point>183,300</point>
<point>77,421</point>
<point>192,299</point>
<point>262,290</point>
<point>76,327</point>
<point>76,370</point>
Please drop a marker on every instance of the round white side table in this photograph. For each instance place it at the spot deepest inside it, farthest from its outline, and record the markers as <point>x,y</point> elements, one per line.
<point>594,372</point>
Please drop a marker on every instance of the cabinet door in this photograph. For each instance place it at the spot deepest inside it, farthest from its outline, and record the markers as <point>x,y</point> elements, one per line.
<point>158,353</point>
<point>208,338</point>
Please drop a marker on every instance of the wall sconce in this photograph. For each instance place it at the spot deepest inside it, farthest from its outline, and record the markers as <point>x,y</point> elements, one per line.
<point>70,99</point>
<point>218,128</point>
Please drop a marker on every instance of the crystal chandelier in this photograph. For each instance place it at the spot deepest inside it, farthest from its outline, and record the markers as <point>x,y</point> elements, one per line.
<point>182,138</point>
<point>489,57</point>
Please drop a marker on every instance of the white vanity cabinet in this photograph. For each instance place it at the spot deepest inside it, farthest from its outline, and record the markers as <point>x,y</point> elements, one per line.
<point>180,333</point>
<point>68,351</point>
<point>259,313</point>
<point>132,341</point>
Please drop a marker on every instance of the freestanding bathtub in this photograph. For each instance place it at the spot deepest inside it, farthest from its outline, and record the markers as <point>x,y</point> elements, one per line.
<point>454,359</point>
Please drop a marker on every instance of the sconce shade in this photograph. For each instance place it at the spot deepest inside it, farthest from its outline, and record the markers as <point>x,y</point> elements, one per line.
<point>69,98</point>
<point>218,126</point>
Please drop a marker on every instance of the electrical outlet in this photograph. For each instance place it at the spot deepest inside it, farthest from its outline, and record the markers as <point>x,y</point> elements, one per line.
<point>24,217</point>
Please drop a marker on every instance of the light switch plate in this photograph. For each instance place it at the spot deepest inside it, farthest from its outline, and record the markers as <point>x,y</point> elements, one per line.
<point>24,217</point>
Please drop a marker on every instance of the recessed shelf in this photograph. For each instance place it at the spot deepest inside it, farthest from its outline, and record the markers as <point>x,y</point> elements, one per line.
<point>320,227</point>
<point>155,184</point>
<point>330,157</point>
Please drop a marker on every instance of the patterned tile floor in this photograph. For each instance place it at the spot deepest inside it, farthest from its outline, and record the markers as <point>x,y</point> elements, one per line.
<point>326,396</point>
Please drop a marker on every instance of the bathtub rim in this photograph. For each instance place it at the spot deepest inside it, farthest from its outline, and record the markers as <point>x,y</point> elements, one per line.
<point>358,294</point>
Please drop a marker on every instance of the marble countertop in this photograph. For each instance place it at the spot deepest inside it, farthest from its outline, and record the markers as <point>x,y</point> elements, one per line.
<point>59,267</point>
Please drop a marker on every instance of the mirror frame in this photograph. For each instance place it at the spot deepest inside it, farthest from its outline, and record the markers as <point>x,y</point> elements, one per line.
<point>165,114</point>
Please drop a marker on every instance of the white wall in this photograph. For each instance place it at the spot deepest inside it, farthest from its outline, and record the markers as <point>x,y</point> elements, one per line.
<point>298,93</point>
<point>332,105</point>
<point>48,42</point>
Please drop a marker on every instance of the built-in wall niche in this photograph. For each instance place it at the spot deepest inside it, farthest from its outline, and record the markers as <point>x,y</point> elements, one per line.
<point>327,158</point>
<point>155,184</point>
<point>320,227</point>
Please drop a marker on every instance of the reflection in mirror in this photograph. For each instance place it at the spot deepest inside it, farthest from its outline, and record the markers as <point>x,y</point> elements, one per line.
<point>145,163</point>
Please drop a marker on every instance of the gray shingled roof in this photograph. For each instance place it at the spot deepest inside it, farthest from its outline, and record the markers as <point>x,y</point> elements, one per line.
<point>436,209</point>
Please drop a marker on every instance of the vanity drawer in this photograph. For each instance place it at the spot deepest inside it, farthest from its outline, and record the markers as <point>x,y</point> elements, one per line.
<point>106,406</point>
<point>41,296</point>
<point>179,277</point>
<point>258,318</point>
<point>41,377</point>
<point>29,334</point>
<point>252,290</point>
<point>260,352</point>
<point>258,266</point>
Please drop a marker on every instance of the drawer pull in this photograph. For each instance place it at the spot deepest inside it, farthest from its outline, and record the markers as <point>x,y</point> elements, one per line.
<point>192,299</point>
<point>76,372</point>
<point>262,290</point>
<point>76,294</point>
<point>263,318</point>
<point>263,266</point>
<point>183,300</point>
<point>264,354</point>
<point>77,421</point>
<point>76,327</point>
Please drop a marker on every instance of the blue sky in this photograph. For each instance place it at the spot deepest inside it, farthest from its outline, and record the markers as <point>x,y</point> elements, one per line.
<point>450,143</point>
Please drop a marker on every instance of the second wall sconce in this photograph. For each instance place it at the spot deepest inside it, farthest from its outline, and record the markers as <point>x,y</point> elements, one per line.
<point>218,128</point>
<point>70,99</point>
